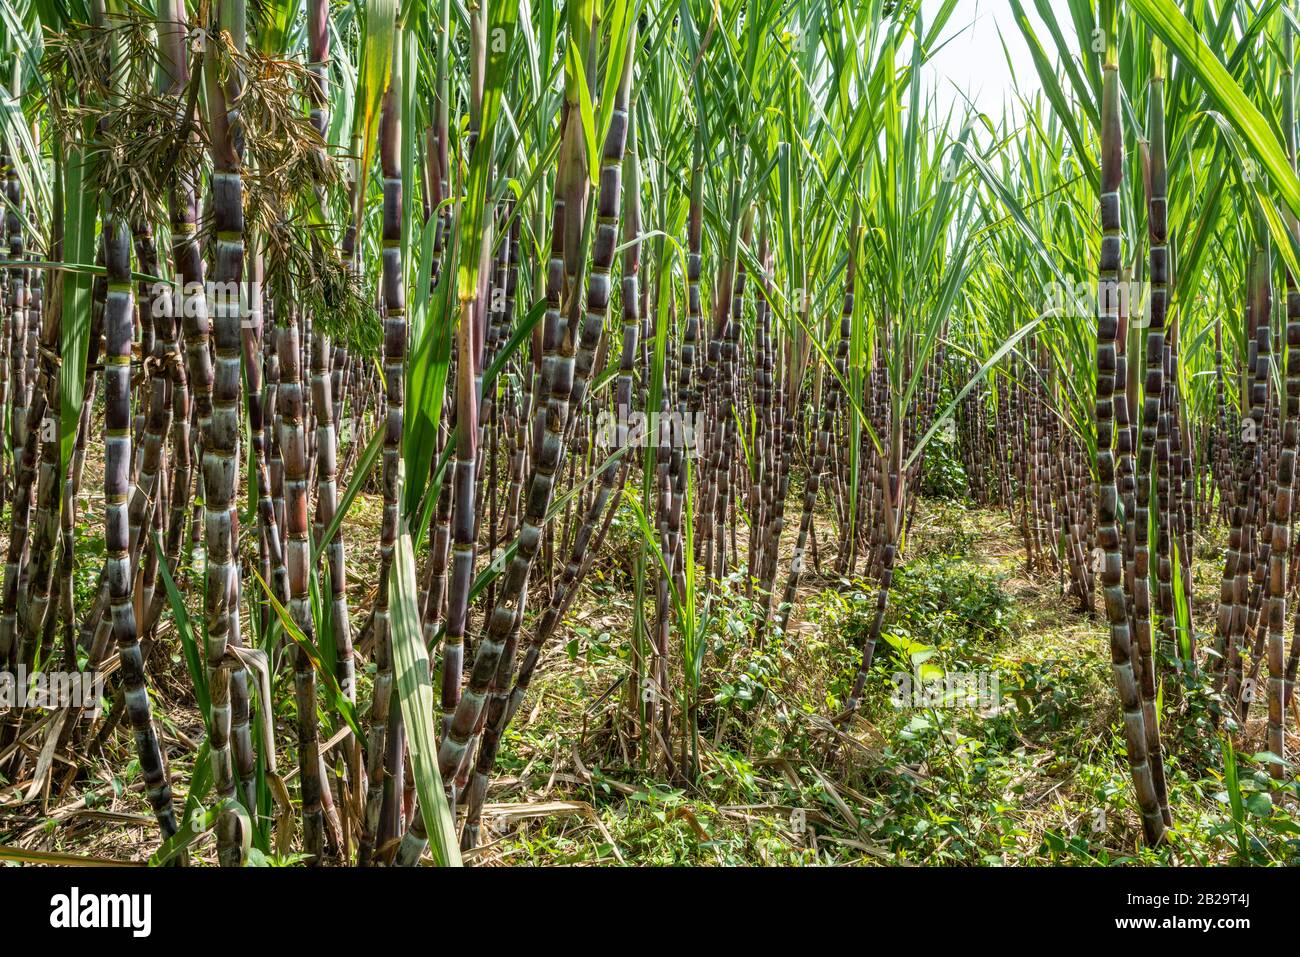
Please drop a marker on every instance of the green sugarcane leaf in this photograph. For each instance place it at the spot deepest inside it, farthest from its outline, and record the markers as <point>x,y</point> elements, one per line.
<point>332,690</point>
<point>29,42</point>
<point>185,629</point>
<point>427,370</point>
<point>1285,240</point>
<point>415,691</point>
<point>343,96</point>
<point>278,27</point>
<point>1083,92</point>
<point>423,440</point>
<point>575,69</point>
<point>1233,784</point>
<point>621,15</point>
<point>81,207</point>
<point>1056,95</point>
<point>1168,22</point>
<point>31,175</point>
<point>501,30</point>
<point>379,38</point>
<point>199,823</point>
<point>200,782</point>
<point>984,370</point>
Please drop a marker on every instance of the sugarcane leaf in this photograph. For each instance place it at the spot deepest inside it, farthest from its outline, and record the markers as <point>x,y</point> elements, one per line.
<point>1168,22</point>
<point>379,37</point>
<point>427,492</point>
<point>1056,95</point>
<point>276,29</point>
<point>322,613</point>
<point>427,370</point>
<point>1182,605</point>
<point>1232,782</point>
<point>343,95</point>
<point>30,44</point>
<point>501,27</point>
<point>255,660</point>
<point>199,823</point>
<point>651,540</point>
<point>200,781</point>
<point>1083,92</point>
<point>185,629</point>
<point>415,691</point>
<point>80,209</point>
<point>30,855</point>
<point>621,15</point>
<point>328,682</point>
<point>576,71</point>
<point>1284,239</point>
<point>984,369</point>
<point>16,131</point>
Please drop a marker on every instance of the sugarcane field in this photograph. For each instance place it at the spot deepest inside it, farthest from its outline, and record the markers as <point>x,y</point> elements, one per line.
<point>648,433</point>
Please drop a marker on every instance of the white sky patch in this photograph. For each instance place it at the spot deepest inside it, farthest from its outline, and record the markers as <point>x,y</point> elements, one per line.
<point>974,62</point>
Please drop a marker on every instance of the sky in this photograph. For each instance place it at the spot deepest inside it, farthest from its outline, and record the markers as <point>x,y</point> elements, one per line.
<point>973,61</point>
